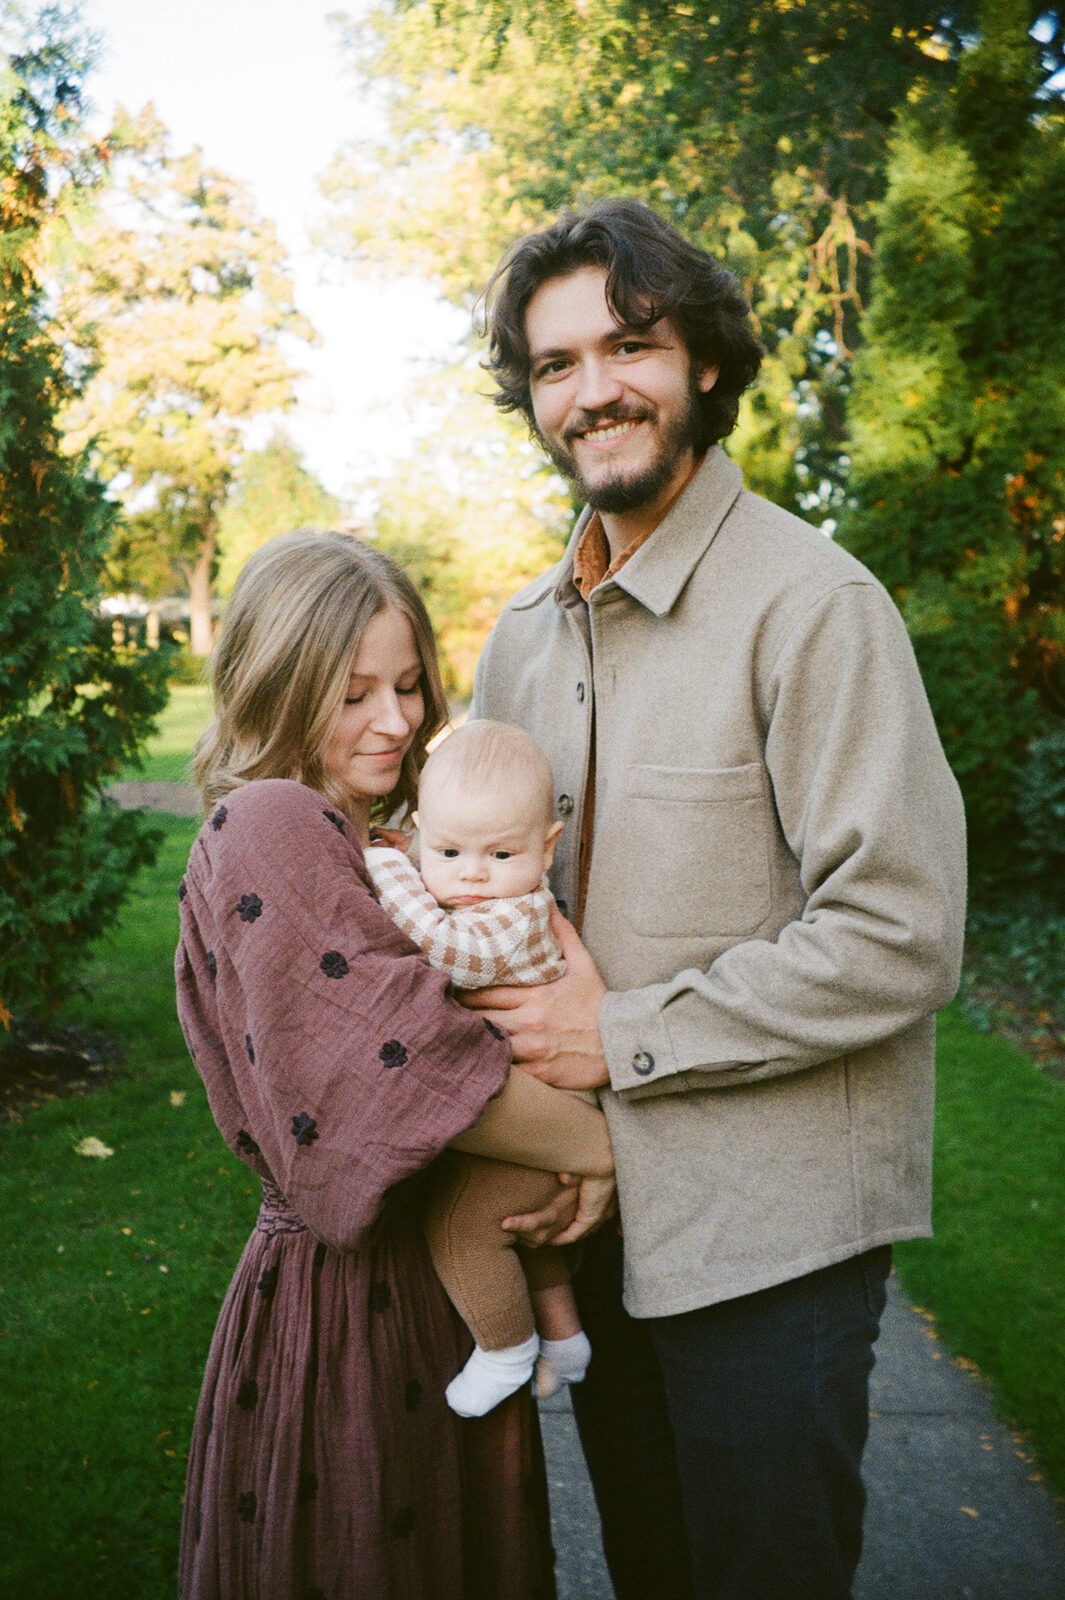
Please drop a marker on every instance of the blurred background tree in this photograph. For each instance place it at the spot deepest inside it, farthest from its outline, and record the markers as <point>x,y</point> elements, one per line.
<point>273,493</point>
<point>472,516</point>
<point>176,292</point>
<point>956,492</point>
<point>74,707</point>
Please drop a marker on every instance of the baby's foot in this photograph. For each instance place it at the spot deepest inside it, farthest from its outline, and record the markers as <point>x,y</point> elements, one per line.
<point>561,1361</point>
<point>489,1376</point>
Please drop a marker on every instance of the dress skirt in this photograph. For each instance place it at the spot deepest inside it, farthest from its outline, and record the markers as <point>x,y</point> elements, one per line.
<point>325,1463</point>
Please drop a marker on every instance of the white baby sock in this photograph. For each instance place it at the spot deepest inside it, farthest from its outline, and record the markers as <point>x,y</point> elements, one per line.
<point>489,1376</point>
<point>561,1361</point>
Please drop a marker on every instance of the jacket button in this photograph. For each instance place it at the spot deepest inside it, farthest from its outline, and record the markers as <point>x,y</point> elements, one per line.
<point>565,804</point>
<point>580,691</point>
<point>643,1063</point>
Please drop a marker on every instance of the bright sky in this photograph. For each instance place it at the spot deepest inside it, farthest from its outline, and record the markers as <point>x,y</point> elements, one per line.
<point>260,86</point>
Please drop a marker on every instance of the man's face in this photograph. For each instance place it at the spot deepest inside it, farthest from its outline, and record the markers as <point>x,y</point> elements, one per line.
<point>616,408</point>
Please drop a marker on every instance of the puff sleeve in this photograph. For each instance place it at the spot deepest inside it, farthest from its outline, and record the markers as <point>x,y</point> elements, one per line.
<point>335,1061</point>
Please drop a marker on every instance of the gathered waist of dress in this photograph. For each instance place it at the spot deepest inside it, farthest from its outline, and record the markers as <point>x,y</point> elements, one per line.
<point>276,1215</point>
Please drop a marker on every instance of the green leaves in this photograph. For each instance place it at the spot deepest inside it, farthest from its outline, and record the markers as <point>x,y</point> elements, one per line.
<point>73,708</point>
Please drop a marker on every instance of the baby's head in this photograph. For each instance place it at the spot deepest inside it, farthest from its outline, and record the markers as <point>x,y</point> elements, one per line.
<point>484,815</point>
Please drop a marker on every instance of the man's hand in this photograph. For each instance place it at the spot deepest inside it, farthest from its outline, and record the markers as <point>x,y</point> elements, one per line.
<point>579,1207</point>
<point>553,1027</point>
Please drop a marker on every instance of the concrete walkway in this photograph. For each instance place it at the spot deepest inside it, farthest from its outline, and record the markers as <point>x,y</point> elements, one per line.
<point>955,1511</point>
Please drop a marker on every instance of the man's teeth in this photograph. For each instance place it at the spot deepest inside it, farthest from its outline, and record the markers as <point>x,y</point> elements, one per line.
<point>613,431</point>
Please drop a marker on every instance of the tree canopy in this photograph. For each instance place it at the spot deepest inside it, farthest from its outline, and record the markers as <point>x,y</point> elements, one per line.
<point>176,290</point>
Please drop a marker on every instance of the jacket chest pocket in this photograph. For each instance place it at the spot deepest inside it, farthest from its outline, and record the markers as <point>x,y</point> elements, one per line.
<point>697,840</point>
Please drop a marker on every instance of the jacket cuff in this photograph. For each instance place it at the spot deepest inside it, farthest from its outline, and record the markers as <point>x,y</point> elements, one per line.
<point>637,1047</point>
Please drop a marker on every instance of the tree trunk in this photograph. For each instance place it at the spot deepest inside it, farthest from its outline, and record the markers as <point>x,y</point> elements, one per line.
<point>201,630</point>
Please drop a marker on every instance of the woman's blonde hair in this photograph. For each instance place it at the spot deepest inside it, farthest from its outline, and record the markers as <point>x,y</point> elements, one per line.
<point>284,655</point>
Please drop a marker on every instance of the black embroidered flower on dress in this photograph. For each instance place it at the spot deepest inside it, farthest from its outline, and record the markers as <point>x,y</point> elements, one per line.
<point>218,818</point>
<point>392,1053</point>
<point>248,1395</point>
<point>334,965</point>
<point>212,964</point>
<point>268,1283</point>
<point>338,822</point>
<point>412,1394</point>
<point>250,1048</point>
<point>246,1144</point>
<point>182,889</point>
<point>247,1506</point>
<point>307,1488</point>
<point>250,907</point>
<point>497,1033</point>
<point>402,1522</point>
<point>304,1128</point>
<point>380,1297</point>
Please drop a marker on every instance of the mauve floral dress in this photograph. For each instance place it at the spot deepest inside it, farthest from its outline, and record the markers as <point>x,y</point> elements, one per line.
<point>325,1463</point>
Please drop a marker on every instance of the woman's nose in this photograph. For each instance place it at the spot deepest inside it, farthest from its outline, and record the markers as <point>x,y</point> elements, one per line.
<point>390,718</point>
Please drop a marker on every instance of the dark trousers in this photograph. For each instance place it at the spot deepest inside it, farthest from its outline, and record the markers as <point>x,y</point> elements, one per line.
<point>725,1444</point>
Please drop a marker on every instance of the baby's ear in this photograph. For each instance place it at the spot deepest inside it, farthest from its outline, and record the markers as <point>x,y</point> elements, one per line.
<point>550,840</point>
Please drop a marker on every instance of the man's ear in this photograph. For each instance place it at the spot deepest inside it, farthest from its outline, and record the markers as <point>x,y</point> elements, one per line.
<point>707,378</point>
<point>550,840</point>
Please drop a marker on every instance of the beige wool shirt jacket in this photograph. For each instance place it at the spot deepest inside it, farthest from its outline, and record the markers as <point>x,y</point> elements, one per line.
<point>776,890</point>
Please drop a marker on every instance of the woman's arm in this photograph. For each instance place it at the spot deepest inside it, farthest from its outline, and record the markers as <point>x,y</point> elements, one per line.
<point>533,1125</point>
<point>333,1054</point>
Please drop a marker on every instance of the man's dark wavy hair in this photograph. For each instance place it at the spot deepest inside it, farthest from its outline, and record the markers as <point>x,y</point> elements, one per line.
<point>651,272</point>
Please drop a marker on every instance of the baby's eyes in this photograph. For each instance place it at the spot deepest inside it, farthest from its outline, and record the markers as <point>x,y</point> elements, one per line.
<point>449,855</point>
<point>502,855</point>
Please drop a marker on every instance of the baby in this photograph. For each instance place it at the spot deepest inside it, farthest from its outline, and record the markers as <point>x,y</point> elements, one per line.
<point>480,909</point>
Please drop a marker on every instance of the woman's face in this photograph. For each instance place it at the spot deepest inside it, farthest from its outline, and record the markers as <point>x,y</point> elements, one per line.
<point>382,711</point>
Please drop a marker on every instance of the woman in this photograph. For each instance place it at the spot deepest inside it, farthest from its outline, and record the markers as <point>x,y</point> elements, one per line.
<point>324,1459</point>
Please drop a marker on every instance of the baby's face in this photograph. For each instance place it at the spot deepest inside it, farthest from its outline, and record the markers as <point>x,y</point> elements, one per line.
<point>486,846</point>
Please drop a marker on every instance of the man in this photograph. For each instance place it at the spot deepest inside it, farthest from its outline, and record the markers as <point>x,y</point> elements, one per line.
<point>765,859</point>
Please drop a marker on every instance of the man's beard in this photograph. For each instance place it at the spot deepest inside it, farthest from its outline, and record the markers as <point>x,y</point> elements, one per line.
<point>628,493</point>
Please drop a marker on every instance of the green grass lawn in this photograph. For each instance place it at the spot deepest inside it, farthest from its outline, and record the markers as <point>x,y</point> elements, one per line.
<point>113,1274</point>
<point>182,720</point>
<point>115,1269</point>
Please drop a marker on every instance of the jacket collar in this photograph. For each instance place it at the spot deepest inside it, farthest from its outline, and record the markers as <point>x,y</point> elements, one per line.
<point>659,569</point>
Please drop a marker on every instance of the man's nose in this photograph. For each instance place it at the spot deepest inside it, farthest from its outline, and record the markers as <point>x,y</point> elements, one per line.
<point>597,385</point>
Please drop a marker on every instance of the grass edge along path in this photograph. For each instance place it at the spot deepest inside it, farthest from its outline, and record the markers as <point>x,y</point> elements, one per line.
<point>993,1276</point>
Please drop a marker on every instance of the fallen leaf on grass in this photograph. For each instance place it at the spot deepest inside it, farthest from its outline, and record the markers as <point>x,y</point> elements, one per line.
<point>177,1097</point>
<point>91,1146</point>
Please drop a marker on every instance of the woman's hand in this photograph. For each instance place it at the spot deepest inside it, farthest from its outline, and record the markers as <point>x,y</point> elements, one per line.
<point>581,1206</point>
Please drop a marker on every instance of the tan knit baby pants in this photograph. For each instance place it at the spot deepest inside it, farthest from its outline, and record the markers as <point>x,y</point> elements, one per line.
<point>486,1276</point>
